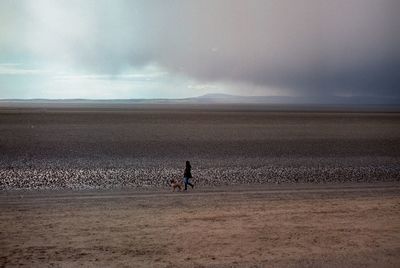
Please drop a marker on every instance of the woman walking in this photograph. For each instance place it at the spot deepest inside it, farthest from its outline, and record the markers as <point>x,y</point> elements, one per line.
<point>187,175</point>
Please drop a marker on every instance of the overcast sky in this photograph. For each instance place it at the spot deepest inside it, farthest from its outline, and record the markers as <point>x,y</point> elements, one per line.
<point>174,49</point>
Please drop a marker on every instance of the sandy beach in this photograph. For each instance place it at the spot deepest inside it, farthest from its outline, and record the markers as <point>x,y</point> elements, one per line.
<point>144,146</point>
<point>88,187</point>
<point>259,226</point>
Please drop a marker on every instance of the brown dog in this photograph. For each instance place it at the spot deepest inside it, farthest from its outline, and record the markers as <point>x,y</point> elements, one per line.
<point>175,185</point>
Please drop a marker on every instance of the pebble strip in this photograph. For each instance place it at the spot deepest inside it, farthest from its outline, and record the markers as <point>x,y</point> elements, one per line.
<point>104,178</point>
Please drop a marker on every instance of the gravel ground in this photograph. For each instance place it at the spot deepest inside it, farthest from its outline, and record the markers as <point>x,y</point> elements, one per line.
<point>141,148</point>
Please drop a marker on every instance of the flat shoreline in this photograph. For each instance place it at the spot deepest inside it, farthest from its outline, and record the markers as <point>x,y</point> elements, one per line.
<point>166,191</point>
<point>126,106</point>
<point>351,225</point>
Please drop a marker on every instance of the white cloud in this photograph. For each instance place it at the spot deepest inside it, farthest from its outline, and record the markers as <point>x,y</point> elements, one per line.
<point>18,69</point>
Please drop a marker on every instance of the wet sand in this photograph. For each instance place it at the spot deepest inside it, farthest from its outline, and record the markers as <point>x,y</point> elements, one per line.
<point>144,146</point>
<point>299,225</point>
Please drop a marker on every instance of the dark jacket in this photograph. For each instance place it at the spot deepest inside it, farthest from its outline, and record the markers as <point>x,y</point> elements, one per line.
<point>187,173</point>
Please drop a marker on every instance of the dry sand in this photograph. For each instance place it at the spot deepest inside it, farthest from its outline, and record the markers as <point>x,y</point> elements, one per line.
<point>263,225</point>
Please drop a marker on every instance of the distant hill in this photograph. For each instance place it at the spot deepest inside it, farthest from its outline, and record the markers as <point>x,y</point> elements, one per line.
<point>226,98</point>
<point>214,98</point>
<point>332,100</point>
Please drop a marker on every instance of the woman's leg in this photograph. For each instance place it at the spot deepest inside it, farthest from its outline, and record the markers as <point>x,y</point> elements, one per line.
<point>188,182</point>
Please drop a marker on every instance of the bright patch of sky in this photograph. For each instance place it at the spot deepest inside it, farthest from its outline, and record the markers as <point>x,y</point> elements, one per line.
<point>151,81</point>
<point>115,49</point>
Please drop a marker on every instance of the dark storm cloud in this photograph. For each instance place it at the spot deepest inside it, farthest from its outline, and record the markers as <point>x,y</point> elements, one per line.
<point>309,47</point>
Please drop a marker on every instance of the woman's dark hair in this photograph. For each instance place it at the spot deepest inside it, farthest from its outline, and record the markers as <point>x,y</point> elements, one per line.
<point>188,164</point>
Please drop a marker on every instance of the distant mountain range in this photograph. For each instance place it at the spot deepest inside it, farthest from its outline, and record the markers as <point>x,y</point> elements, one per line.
<point>217,98</point>
<point>226,98</point>
<point>331,100</point>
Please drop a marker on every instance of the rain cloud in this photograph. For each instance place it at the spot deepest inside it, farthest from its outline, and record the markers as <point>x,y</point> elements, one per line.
<point>308,48</point>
